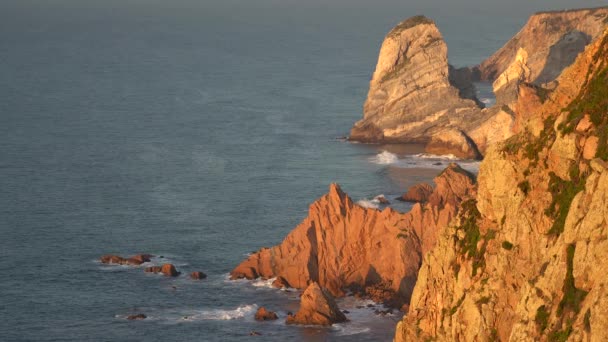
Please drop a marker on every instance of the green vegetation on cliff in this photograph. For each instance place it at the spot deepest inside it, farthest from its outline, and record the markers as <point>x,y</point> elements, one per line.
<point>409,23</point>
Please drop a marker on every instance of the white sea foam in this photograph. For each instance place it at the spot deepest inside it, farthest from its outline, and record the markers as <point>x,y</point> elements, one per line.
<point>487,100</point>
<point>435,156</point>
<point>224,315</point>
<point>385,158</point>
<point>263,283</point>
<point>370,204</point>
<point>420,160</point>
<point>349,329</point>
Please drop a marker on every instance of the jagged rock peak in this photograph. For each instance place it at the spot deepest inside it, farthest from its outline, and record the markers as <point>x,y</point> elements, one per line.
<point>344,246</point>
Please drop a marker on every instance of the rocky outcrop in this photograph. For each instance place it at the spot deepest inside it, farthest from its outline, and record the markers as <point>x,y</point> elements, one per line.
<point>550,42</point>
<point>417,193</point>
<point>136,317</point>
<point>412,96</point>
<point>134,260</point>
<point>264,315</point>
<point>526,260</point>
<point>197,275</point>
<point>317,307</point>
<point>167,269</point>
<point>280,283</point>
<point>537,55</point>
<point>344,246</point>
<point>415,96</point>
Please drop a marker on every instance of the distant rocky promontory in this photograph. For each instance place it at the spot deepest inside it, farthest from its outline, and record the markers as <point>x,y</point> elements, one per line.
<point>415,96</point>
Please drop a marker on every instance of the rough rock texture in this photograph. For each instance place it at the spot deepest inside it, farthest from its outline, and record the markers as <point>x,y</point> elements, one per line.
<point>317,307</point>
<point>264,315</point>
<point>415,96</point>
<point>417,193</point>
<point>411,96</point>
<point>526,260</point>
<point>166,269</point>
<point>550,40</point>
<point>453,141</point>
<point>344,246</point>
<point>134,260</point>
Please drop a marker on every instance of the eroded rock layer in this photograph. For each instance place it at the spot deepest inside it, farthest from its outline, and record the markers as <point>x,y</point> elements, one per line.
<point>550,40</point>
<point>413,92</point>
<point>415,96</point>
<point>344,246</point>
<point>526,260</point>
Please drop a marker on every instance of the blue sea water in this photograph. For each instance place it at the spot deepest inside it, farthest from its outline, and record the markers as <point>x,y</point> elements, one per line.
<point>193,130</point>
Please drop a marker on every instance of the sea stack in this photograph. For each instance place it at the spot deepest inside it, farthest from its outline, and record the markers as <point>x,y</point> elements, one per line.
<point>413,94</point>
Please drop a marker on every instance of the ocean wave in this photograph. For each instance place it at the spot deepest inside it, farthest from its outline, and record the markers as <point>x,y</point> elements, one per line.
<point>384,158</point>
<point>349,329</point>
<point>435,156</point>
<point>420,160</point>
<point>486,100</point>
<point>223,315</point>
<point>370,204</point>
<point>263,283</point>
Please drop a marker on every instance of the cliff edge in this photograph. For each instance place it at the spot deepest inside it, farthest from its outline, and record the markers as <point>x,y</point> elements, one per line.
<point>526,259</point>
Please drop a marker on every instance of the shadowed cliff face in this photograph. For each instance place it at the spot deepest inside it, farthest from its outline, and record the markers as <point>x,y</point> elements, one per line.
<point>551,40</point>
<point>344,246</point>
<point>526,261</point>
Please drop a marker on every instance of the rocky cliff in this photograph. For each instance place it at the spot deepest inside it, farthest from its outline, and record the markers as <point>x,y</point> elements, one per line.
<point>526,259</point>
<point>344,246</point>
<point>548,42</point>
<point>414,94</point>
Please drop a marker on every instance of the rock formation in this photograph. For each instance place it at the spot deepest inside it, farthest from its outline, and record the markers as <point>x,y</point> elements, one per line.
<point>166,269</point>
<point>136,317</point>
<point>415,96</point>
<point>280,283</point>
<point>264,315</point>
<point>417,193</point>
<point>411,97</point>
<point>317,307</point>
<point>134,260</point>
<point>198,275</point>
<point>550,41</point>
<point>526,260</point>
<point>344,246</point>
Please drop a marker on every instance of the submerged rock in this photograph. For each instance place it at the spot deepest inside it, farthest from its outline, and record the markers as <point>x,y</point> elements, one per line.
<point>198,275</point>
<point>264,315</point>
<point>317,307</point>
<point>167,269</point>
<point>134,260</point>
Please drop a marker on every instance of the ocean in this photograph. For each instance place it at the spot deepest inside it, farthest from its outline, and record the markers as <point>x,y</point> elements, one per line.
<point>197,131</point>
